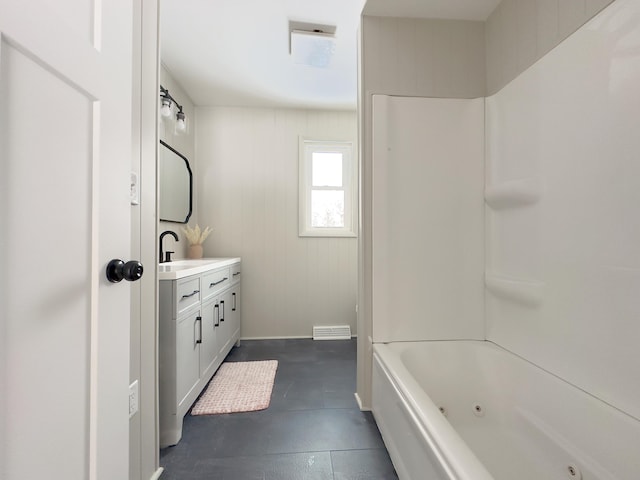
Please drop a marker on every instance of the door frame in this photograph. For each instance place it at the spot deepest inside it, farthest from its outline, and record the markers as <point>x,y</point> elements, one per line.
<point>143,426</point>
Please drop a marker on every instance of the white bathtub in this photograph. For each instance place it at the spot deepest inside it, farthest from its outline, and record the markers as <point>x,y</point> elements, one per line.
<point>502,418</point>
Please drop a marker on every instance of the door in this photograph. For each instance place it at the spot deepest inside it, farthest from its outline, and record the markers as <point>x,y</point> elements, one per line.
<point>65,153</point>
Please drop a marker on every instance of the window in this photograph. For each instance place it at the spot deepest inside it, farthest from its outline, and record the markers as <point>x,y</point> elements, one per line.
<point>327,189</point>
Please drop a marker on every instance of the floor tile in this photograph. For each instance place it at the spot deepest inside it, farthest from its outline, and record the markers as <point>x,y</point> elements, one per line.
<point>277,432</point>
<point>296,466</point>
<point>297,394</point>
<point>333,399</point>
<point>362,465</point>
<point>325,429</point>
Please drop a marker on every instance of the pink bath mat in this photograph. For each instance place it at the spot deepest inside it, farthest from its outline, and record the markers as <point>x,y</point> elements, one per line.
<point>238,387</point>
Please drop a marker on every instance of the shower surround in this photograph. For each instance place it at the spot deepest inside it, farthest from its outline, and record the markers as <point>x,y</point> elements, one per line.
<point>555,187</point>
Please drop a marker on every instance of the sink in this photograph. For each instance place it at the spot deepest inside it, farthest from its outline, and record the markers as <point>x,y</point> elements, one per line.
<point>184,268</point>
<point>187,263</point>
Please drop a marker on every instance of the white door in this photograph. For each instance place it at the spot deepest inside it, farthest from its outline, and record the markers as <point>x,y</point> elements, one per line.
<point>65,117</point>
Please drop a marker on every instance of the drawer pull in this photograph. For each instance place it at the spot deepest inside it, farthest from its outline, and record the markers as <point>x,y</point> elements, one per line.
<point>191,294</point>
<point>218,282</point>
<point>237,273</point>
<point>199,320</point>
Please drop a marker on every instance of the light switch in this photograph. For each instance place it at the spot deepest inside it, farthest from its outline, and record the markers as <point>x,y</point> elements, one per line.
<point>133,398</point>
<point>135,198</point>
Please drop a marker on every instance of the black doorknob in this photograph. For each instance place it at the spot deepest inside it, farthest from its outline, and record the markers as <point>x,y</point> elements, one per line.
<point>118,270</point>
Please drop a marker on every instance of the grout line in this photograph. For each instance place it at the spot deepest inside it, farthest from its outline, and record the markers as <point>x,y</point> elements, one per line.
<point>333,473</point>
<point>357,449</point>
<point>260,455</point>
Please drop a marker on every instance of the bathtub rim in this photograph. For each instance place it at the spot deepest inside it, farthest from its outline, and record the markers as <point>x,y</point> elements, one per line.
<point>457,460</point>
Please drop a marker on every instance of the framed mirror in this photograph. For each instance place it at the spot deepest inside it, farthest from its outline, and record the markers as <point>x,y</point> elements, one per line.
<point>176,185</point>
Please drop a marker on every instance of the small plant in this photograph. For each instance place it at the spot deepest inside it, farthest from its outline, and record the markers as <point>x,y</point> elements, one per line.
<point>195,235</point>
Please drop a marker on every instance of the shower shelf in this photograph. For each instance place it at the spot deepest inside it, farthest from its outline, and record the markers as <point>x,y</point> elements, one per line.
<point>524,291</point>
<point>513,193</point>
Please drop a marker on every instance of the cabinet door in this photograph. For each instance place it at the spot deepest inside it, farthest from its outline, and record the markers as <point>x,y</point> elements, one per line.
<point>209,345</point>
<point>187,354</point>
<point>226,319</point>
<point>235,313</point>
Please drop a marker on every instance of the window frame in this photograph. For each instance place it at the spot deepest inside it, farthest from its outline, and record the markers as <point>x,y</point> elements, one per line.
<point>307,147</point>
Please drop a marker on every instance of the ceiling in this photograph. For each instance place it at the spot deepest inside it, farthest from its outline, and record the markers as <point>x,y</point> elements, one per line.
<point>236,52</point>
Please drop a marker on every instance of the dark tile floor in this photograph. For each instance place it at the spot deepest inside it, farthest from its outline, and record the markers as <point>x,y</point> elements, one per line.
<point>313,428</point>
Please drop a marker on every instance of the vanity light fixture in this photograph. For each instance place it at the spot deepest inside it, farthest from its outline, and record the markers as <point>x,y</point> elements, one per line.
<point>166,102</point>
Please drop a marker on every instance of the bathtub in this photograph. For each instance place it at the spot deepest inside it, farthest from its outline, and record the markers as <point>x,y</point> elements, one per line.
<point>470,410</point>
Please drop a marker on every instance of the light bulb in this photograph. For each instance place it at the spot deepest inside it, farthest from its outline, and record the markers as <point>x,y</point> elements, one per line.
<point>165,109</point>
<point>181,124</point>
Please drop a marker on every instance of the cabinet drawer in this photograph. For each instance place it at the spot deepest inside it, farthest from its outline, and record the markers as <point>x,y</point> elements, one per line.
<point>235,272</point>
<point>187,294</point>
<point>214,282</point>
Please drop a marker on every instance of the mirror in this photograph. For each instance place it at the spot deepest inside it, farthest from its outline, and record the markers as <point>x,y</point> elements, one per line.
<point>176,185</point>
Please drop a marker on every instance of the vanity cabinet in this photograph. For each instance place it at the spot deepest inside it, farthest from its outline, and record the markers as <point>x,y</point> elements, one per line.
<point>199,318</point>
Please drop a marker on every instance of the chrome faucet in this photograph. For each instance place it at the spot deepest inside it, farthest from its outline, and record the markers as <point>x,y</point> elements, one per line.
<point>167,255</point>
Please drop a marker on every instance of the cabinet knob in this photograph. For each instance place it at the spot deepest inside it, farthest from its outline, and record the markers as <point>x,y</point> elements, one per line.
<point>117,270</point>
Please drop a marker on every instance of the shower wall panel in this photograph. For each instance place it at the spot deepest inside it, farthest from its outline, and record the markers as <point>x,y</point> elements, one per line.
<point>428,221</point>
<point>563,199</point>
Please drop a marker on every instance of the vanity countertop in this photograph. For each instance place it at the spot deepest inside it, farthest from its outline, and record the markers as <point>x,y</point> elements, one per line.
<point>184,268</point>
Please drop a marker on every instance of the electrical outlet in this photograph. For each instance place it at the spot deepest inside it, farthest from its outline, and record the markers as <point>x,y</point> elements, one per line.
<point>133,398</point>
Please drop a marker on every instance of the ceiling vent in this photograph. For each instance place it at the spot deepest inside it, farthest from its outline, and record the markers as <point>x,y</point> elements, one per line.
<point>312,44</point>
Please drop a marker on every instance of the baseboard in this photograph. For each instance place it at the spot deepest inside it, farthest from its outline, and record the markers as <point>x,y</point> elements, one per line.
<point>360,406</point>
<point>157,474</point>
<point>290,337</point>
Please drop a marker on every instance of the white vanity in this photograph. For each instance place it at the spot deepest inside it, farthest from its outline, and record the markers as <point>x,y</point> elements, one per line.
<point>199,316</point>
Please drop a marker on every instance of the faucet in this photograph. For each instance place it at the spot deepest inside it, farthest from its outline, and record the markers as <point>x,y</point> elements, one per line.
<point>167,255</point>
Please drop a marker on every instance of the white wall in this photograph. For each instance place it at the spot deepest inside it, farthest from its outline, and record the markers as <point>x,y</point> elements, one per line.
<point>248,193</point>
<point>519,32</point>
<point>184,143</point>
<point>563,231</point>
<point>423,57</point>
